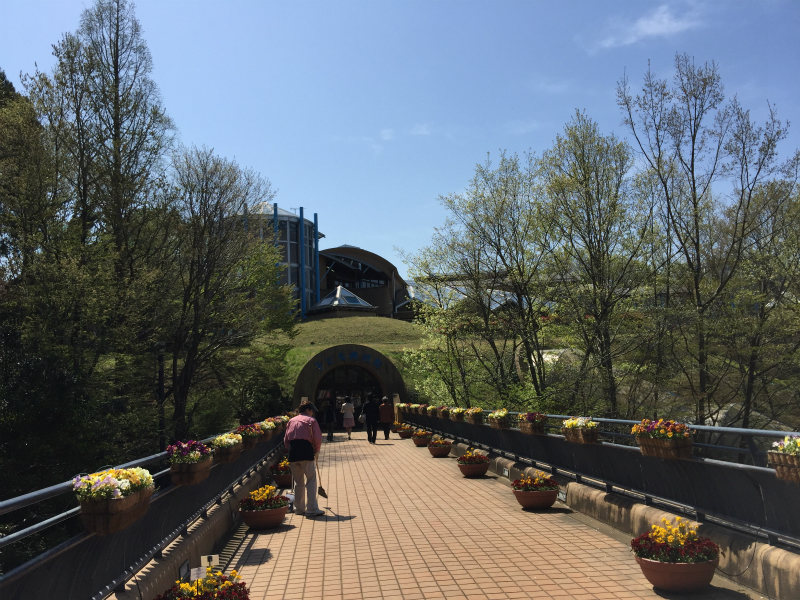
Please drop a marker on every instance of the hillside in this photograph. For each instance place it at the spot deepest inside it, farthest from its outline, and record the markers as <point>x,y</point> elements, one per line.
<point>388,336</point>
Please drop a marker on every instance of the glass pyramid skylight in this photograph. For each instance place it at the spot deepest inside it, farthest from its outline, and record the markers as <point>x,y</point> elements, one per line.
<point>342,297</point>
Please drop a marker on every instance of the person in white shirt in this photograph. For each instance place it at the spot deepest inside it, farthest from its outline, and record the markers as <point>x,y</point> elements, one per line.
<point>349,421</point>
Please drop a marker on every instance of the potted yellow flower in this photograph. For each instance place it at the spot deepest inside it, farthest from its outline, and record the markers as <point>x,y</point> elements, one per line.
<point>474,415</point>
<point>405,432</point>
<point>267,428</point>
<point>457,413</point>
<point>472,464</point>
<point>439,448</point>
<point>499,419</point>
<point>421,438</point>
<point>281,473</point>
<point>538,491</point>
<point>580,430</point>
<point>674,558</point>
<point>432,411</point>
<point>263,508</point>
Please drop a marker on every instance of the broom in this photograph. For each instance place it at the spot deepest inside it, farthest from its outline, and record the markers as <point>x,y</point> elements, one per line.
<point>320,490</point>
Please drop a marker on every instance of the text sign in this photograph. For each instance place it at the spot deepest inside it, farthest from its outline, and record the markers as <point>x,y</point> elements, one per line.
<point>198,573</point>
<point>210,560</point>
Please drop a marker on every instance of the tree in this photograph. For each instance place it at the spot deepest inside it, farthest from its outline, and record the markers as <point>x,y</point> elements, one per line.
<point>225,292</point>
<point>602,228</point>
<point>692,140</point>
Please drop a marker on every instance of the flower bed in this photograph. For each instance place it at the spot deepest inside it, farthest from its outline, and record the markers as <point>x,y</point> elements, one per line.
<point>457,413</point>
<point>190,462</point>
<point>538,491</point>
<point>215,585</point>
<point>474,415</point>
<point>663,439</point>
<point>472,464</point>
<point>785,458</point>
<point>111,500</point>
<point>674,557</point>
<point>532,423</point>
<point>263,508</point>
<point>580,430</point>
<point>499,419</point>
<point>227,447</point>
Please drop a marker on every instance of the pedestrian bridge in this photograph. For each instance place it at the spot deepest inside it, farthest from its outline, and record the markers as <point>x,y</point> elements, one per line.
<point>401,524</point>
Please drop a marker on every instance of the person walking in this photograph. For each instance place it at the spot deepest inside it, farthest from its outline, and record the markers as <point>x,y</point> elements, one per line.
<point>348,421</point>
<point>330,419</point>
<point>303,439</point>
<point>372,413</point>
<point>387,416</point>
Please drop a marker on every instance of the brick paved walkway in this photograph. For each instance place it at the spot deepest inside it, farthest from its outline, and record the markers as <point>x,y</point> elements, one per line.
<point>403,525</point>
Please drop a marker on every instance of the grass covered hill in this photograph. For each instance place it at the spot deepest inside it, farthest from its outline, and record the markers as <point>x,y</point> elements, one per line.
<point>387,336</point>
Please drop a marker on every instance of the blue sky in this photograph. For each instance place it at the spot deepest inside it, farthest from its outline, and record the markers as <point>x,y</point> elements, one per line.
<point>365,112</point>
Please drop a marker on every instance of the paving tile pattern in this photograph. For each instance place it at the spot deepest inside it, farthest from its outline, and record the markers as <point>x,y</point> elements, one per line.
<point>403,525</point>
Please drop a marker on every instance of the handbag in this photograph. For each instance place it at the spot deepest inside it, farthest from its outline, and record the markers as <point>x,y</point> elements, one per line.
<point>362,418</point>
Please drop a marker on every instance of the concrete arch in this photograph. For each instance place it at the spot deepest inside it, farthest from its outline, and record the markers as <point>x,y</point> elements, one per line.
<point>369,359</point>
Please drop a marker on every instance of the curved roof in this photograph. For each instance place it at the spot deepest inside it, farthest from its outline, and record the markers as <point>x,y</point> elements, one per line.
<point>368,258</point>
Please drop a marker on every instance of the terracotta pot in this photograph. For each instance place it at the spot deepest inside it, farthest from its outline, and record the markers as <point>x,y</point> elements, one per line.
<point>474,470</point>
<point>439,451</point>
<point>108,516</point>
<point>536,499</point>
<point>531,428</point>
<point>678,448</point>
<point>456,416</point>
<point>228,455</point>
<point>498,423</point>
<point>264,519</point>
<point>422,441</point>
<point>404,435</point>
<point>581,435</point>
<point>474,419</point>
<point>249,442</point>
<point>191,473</point>
<point>678,577</point>
<point>282,480</point>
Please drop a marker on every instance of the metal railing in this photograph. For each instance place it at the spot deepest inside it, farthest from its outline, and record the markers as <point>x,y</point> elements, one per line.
<point>224,477</point>
<point>744,497</point>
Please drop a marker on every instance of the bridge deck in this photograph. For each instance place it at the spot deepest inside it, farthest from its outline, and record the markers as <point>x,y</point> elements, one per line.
<point>403,525</point>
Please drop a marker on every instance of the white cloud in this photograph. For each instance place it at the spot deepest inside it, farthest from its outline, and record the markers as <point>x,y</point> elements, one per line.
<point>387,134</point>
<point>659,23</point>
<point>420,129</point>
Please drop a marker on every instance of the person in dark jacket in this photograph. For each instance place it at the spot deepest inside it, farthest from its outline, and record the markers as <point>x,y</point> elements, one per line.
<point>330,419</point>
<point>387,416</point>
<point>372,413</point>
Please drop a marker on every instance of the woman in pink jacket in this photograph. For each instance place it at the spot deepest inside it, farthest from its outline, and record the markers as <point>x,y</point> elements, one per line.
<point>303,439</point>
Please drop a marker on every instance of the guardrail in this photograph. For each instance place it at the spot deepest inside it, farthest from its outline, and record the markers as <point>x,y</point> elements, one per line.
<point>744,497</point>
<point>91,566</point>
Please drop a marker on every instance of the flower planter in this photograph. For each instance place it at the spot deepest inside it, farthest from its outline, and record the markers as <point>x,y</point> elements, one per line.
<point>680,448</point>
<point>266,436</point>
<point>786,465</point>
<point>456,416</point>
<point>190,473</point>
<point>474,419</point>
<point>228,455</point>
<point>282,480</point>
<point>439,451</point>
<point>108,516</point>
<point>250,442</point>
<point>475,470</point>
<point>499,423</point>
<point>580,435</point>
<point>678,577</point>
<point>444,414</point>
<point>264,519</point>
<point>532,428</point>
<point>404,435</point>
<point>433,414</point>
<point>422,441</point>
<point>536,498</point>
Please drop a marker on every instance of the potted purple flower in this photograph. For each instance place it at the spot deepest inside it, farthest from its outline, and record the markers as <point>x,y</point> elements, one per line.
<point>189,462</point>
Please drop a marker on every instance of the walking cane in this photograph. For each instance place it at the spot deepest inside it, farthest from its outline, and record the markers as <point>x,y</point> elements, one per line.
<point>320,489</point>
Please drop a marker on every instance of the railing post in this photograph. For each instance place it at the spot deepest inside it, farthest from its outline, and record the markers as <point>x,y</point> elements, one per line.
<point>755,453</point>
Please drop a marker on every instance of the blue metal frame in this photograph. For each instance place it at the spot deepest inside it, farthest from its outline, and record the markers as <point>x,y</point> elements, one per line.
<point>316,259</point>
<point>302,244</point>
